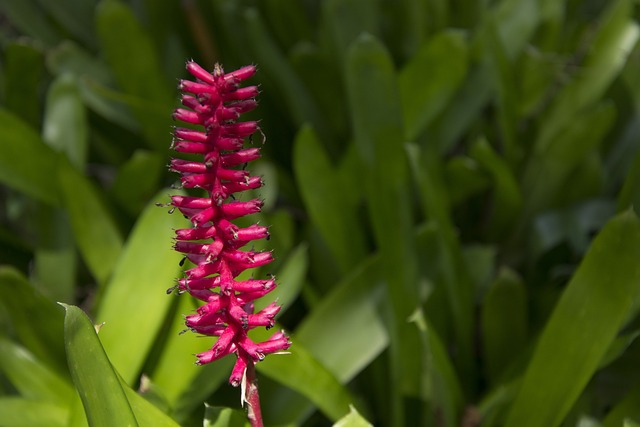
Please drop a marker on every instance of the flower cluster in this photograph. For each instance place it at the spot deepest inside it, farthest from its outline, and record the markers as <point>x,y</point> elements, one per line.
<point>214,244</point>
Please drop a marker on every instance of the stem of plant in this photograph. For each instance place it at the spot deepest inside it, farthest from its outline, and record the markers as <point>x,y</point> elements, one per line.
<point>252,397</point>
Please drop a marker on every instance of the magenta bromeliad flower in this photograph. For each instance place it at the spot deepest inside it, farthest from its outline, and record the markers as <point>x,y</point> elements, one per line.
<point>214,243</point>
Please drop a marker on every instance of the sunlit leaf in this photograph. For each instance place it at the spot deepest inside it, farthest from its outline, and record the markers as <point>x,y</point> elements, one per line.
<point>135,302</point>
<point>585,321</point>
<point>104,400</point>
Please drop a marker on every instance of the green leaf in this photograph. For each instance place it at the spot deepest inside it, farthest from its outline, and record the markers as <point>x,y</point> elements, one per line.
<point>23,69</point>
<point>153,119</point>
<point>507,198</point>
<point>176,368</point>
<point>19,412</point>
<point>26,163</point>
<point>65,126</point>
<point>104,400</point>
<point>331,209</point>
<point>208,379</point>
<point>145,412</point>
<point>290,279</point>
<point>215,416</point>
<point>29,17</point>
<point>135,294</point>
<point>36,321</point>
<point>430,78</point>
<point>94,228</point>
<point>275,65</point>
<point>374,102</point>
<point>348,20</point>
<point>137,181</point>
<point>352,419</point>
<point>630,193</point>
<point>630,423</point>
<point>628,407</point>
<point>32,378</point>
<point>547,170</point>
<point>55,258</point>
<point>301,372</point>
<point>452,271</point>
<point>584,323</point>
<point>136,67</point>
<point>75,16</point>
<point>607,55</point>
<point>440,385</point>
<point>504,322</point>
<point>516,21</point>
<point>65,129</point>
<point>350,308</point>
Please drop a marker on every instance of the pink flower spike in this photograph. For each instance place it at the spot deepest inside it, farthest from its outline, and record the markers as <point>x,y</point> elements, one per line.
<point>212,105</point>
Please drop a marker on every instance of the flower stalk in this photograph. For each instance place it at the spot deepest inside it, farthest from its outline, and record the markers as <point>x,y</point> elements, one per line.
<point>214,102</point>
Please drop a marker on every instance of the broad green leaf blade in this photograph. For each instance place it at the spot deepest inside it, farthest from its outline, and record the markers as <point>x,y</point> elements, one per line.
<point>545,177</point>
<point>507,197</point>
<point>215,416</point>
<point>301,372</point>
<point>430,79</point>
<point>290,278</point>
<point>137,181</point>
<point>36,321</point>
<point>104,400</point>
<point>19,412</point>
<point>135,303</point>
<point>55,259</point>
<point>608,52</point>
<point>176,368</point>
<point>441,387</point>
<point>454,277</point>
<point>65,127</point>
<point>347,20</point>
<point>28,16</point>
<point>145,412</point>
<point>352,309</point>
<point>584,323</point>
<point>630,193</point>
<point>75,16</point>
<point>134,112</point>
<point>136,67</point>
<point>504,322</point>
<point>23,69</point>
<point>629,406</point>
<point>32,378</point>
<point>208,379</point>
<point>516,20</point>
<point>374,102</point>
<point>330,207</point>
<point>26,163</point>
<point>94,228</point>
<point>275,65</point>
<point>352,419</point>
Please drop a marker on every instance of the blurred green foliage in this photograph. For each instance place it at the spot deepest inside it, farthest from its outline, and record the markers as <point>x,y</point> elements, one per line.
<point>451,188</point>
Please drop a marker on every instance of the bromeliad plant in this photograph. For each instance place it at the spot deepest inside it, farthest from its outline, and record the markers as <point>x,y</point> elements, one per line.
<point>214,243</point>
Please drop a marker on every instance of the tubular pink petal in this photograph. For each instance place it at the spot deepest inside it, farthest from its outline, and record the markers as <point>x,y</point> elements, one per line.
<point>190,135</point>
<point>237,209</point>
<point>240,157</point>
<point>200,73</point>
<point>241,94</point>
<point>186,116</point>
<point>238,371</point>
<point>240,74</point>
